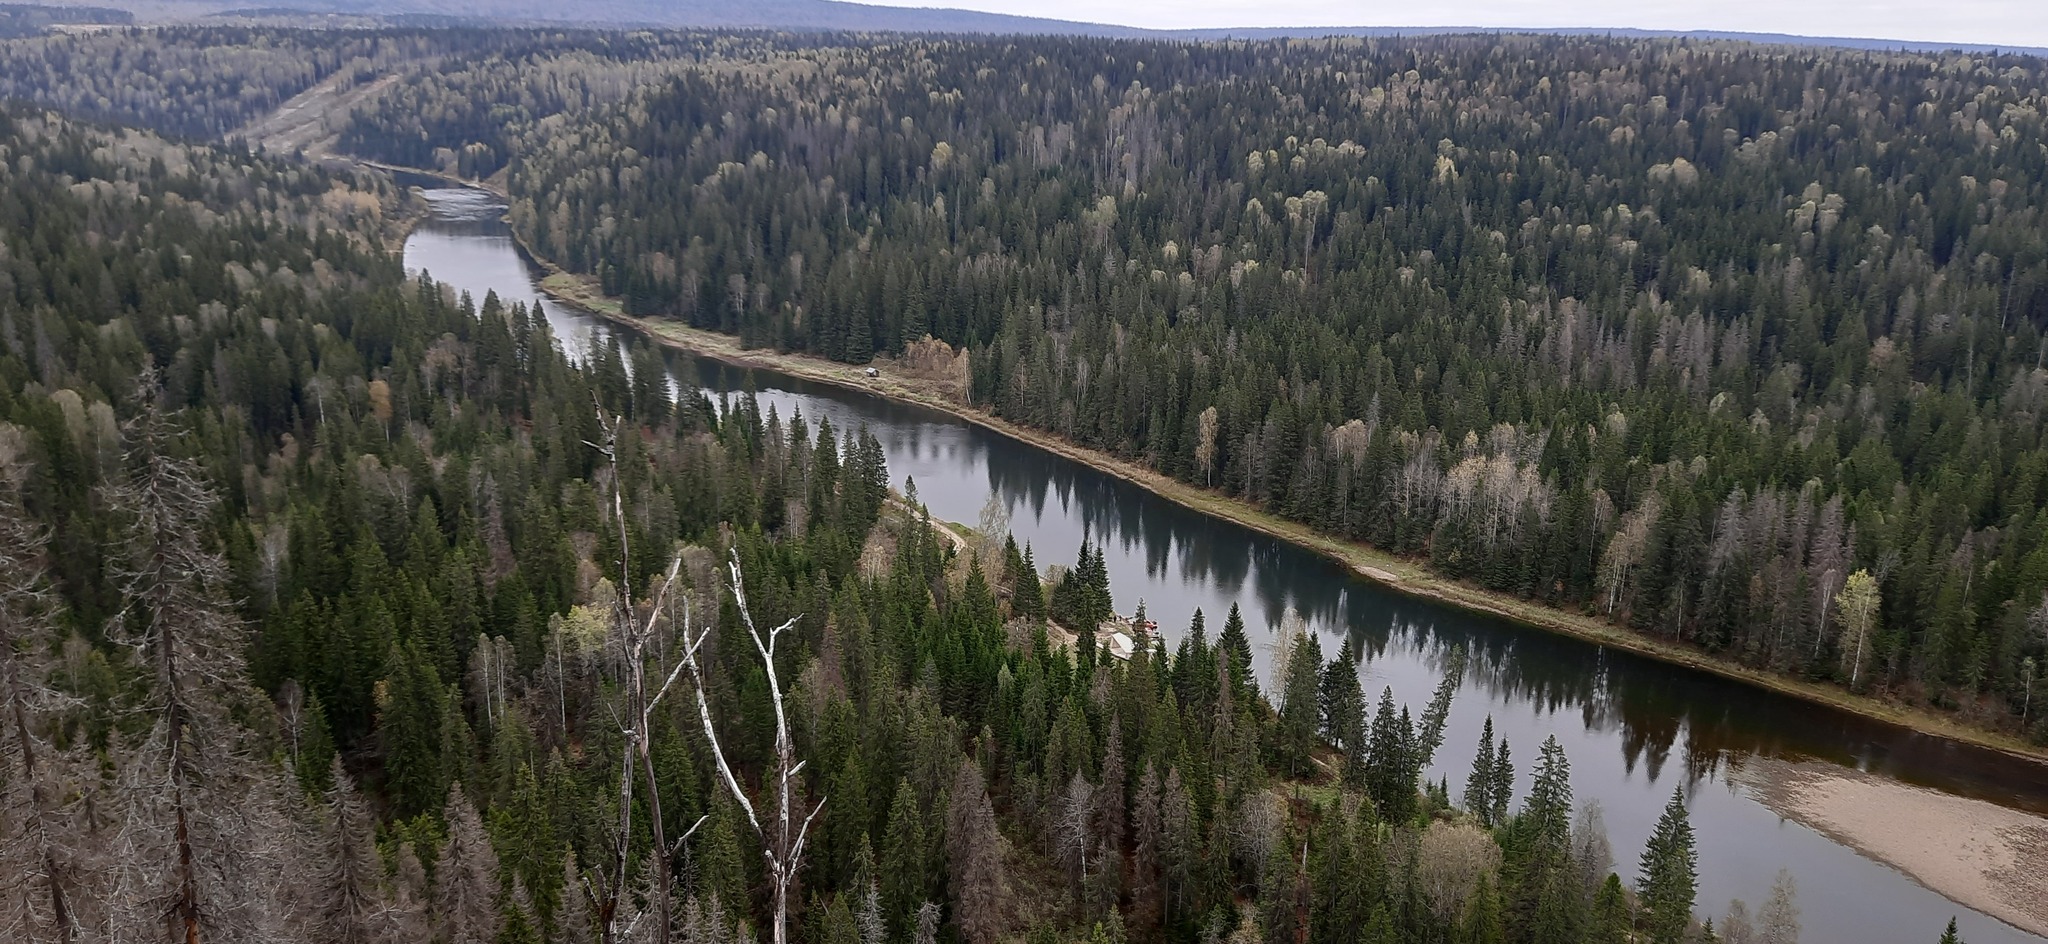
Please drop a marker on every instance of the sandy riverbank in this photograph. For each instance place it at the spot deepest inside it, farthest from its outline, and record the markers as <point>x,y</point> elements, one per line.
<point>1979,854</point>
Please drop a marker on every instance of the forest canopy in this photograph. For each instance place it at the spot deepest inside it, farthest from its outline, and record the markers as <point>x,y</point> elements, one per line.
<point>1683,334</point>
<point>323,595</point>
<point>337,607</point>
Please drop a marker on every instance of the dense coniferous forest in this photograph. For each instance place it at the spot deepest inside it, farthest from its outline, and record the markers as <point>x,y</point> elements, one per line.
<point>29,19</point>
<point>337,608</point>
<point>459,84</point>
<point>185,81</point>
<point>333,608</point>
<point>1732,345</point>
<point>465,116</point>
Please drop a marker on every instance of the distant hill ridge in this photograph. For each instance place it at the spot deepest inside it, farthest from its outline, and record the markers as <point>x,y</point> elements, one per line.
<point>832,15</point>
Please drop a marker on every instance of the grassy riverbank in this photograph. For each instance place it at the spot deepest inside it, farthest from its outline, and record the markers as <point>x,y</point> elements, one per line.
<point>1397,573</point>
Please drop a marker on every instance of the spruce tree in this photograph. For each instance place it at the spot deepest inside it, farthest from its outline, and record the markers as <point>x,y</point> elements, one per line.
<point>906,869</point>
<point>1611,919</point>
<point>1668,877</point>
<point>1028,597</point>
<point>1482,923</point>
<point>1478,797</point>
<point>1341,696</point>
<point>1549,807</point>
<point>1300,703</point>
<point>1388,782</point>
<point>409,730</point>
<point>1234,644</point>
<point>1501,790</point>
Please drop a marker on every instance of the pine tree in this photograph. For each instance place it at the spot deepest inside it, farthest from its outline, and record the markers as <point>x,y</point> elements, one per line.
<point>524,834</point>
<point>517,922</point>
<point>1028,597</point>
<point>1549,807</point>
<point>1280,892</point>
<point>845,827</point>
<point>1669,875</point>
<point>1482,923</point>
<point>316,751</point>
<point>1178,839</point>
<point>835,923</point>
<point>721,872</point>
<point>1110,820</point>
<point>1343,711</point>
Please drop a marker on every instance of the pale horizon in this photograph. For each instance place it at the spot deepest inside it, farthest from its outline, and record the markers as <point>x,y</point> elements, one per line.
<point>1972,22</point>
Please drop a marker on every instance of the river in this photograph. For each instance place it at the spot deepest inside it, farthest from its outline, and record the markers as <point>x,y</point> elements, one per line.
<point>1633,728</point>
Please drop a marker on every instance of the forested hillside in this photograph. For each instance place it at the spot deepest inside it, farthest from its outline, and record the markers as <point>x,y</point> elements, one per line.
<point>464,116</point>
<point>193,82</point>
<point>1734,345</point>
<point>336,609</point>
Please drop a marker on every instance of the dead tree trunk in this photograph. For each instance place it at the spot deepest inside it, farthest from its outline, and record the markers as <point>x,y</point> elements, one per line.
<point>632,636</point>
<point>24,611</point>
<point>193,643</point>
<point>783,840</point>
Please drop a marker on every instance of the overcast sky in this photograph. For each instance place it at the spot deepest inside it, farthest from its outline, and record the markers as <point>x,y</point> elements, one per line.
<point>2010,22</point>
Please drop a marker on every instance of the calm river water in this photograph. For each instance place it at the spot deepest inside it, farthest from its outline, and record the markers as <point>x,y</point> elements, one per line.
<point>1633,728</point>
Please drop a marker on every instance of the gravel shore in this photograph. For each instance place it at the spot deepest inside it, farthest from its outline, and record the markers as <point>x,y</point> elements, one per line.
<point>1980,854</point>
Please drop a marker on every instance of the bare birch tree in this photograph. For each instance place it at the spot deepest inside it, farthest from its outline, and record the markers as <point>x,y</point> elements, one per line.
<point>782,837</point>
<point>1778,922</point>
<point>1205,445</point>
<point>1736,926</point>
<point>1451,863</point>
<point>1592,854</point>
<point>1858,601</point>
<point>630,639</point>
<point>1072,837</point>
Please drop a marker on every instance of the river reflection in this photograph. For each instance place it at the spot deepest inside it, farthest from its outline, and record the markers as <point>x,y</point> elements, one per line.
<point>1633,728</point>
